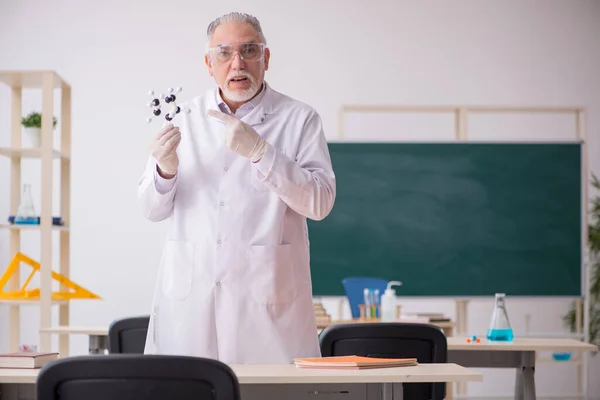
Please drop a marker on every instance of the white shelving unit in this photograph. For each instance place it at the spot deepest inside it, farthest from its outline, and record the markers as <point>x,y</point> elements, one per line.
<point>46,82</point>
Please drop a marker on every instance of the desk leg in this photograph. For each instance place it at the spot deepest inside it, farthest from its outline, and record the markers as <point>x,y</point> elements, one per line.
<point>391,391</point>
<point>449,385</point>
<point>98,344</point>
<point>525,377</point>
<point>519,384</point>
<point>461,329</point>
<point>528,368</point>
<point>449,391</point>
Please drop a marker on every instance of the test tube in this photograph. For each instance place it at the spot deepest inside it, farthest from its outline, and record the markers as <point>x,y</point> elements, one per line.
<point>367,300</point>
<point>376,303</point>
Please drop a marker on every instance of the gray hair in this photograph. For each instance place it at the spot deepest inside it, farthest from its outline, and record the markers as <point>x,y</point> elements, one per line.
<point>235,17</point>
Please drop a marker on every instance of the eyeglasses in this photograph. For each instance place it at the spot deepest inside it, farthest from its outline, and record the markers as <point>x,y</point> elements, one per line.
<point>248,52</point>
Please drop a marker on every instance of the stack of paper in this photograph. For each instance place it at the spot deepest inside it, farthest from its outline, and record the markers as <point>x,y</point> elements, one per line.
<point>353,362</point>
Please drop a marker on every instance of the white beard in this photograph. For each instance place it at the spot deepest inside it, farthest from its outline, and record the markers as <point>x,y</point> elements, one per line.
<point>244,95</point>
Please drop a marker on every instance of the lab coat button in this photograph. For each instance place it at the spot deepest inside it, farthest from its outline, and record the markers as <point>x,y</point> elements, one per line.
<point>218,283</point>
<point>218,241</point>
<point>225,169</point>
<point>222,203</point>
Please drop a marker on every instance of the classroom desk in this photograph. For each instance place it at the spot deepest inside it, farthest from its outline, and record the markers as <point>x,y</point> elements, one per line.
<point>97,336</point>
<point>519,354</point>
<point>447,327</point>
<point>274,381</point>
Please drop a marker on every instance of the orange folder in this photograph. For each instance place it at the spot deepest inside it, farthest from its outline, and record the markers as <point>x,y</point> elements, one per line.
<point>353,362</point>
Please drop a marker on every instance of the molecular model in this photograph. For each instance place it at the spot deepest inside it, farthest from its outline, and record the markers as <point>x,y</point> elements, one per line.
<point>169,99</point>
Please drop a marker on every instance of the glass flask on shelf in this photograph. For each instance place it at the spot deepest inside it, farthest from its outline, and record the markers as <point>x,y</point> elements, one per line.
<point>500,329</point>
<point>26,211</point>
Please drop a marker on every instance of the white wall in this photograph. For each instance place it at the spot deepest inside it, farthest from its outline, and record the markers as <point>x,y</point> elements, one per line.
<point>324,53</point>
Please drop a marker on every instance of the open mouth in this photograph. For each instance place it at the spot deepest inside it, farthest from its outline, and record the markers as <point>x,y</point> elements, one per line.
<point>239,79</point>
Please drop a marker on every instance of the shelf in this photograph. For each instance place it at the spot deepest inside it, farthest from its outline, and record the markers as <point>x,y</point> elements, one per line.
<point>554,335</point>
<point>30,153</point>
<point>77,330</point>
<point>30,79</point>
<point>50,151</point>
<point>32,227</point>
<point>548,360</point>
<point>29,302</point>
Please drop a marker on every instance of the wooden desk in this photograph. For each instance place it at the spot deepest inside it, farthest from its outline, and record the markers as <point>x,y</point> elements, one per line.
<point>521,344</point>
<point>290,374</point>
<point>18,376</point>
<point>447,327</point>
<point>97,336</point>
<point>78,330</point>
<point>519,354</point>
<point>287,381</point>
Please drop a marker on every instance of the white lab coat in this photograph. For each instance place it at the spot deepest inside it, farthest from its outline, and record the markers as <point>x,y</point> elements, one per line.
<point>234,281</point>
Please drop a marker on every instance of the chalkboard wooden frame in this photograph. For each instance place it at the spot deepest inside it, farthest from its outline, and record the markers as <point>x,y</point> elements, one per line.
<point>461,117</point>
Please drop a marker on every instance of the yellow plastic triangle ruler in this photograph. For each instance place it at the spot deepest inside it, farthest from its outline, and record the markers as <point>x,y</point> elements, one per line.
<point>77,292</point>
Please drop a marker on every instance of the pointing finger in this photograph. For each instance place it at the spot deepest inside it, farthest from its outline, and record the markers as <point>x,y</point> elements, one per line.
<point>228,119</point>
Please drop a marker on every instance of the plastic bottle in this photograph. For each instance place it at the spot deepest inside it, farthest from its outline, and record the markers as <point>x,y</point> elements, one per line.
<point>388,302</point>
<point>500,329</point>
<point>376,303</point>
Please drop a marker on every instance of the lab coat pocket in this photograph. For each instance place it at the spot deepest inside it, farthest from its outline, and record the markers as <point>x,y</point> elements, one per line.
<point>178,269</point>
<point>271,269</point>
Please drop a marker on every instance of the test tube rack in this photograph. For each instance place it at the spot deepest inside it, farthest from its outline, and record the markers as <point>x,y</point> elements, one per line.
<point>366,312</point>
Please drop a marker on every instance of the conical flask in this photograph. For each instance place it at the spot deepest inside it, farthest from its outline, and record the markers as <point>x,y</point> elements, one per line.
<point>500,329</point>
<point>26,211</point>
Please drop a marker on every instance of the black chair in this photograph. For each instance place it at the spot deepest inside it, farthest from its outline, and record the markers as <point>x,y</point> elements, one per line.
<point>427,343</point>
<point>136,377</point>
<point>128,335</point>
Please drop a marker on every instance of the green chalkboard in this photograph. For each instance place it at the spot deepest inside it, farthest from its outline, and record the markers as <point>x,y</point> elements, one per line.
<point>453,219</point>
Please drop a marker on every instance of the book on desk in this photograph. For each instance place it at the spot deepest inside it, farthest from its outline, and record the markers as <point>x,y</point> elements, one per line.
<point>353,362</point>
<point>26,359</point>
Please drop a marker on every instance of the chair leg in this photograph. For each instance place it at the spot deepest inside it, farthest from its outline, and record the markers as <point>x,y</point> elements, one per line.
<point>449,391</point>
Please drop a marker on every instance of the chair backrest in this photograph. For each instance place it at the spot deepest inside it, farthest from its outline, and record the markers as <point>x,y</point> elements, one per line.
<point>136,377</point>
<point>354,287</point>
<point>427,343</point>
<point>128,335</point>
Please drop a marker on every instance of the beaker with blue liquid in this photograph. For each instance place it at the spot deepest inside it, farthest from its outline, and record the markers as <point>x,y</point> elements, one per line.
<point>500,329</point>
<point>26,211</point>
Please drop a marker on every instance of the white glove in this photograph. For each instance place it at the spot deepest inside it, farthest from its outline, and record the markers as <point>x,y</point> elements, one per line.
<point>240,137</point>
<point>163,149</point>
